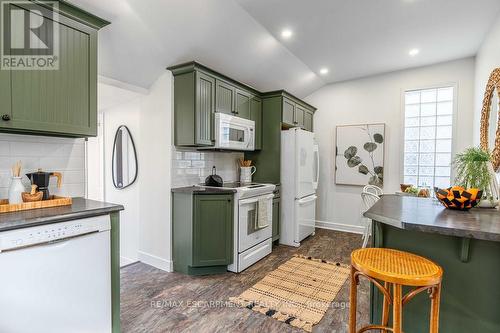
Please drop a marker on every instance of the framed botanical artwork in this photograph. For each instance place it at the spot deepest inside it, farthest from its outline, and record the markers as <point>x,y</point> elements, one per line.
<point>359,157</point>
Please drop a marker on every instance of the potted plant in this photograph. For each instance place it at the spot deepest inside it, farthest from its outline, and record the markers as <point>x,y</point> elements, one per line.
<point>474,170</point>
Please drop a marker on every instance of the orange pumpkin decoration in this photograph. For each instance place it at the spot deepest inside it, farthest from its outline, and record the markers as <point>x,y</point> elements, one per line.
<point>457,197</point>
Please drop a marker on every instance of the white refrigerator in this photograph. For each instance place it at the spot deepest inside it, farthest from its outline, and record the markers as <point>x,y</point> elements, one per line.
<point>299,181</point>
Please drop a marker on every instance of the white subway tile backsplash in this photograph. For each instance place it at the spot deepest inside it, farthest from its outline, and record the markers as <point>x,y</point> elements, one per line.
<point>191,167</point>
<point>195,172</point>
<point>198,164</point>
<point>191,155</point>
<point>64,155</point>
<point>4,148</point>
<point>182,164</point>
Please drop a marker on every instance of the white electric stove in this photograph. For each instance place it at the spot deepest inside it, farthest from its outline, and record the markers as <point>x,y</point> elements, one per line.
<point>252,237</point>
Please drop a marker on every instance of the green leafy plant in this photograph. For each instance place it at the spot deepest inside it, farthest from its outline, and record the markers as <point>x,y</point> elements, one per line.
<point>472,169</point>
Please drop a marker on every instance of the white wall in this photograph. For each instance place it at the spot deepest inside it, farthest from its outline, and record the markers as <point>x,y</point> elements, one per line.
<point>487,59</point>
<point>155,172</point>
<point>48,153</point>
<point>117,106</point>
<point>145,222</point>
<point>378,99</point>
<point>126,114</point>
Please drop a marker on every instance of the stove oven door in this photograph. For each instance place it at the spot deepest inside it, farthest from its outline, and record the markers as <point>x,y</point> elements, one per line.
<point>252,229</point>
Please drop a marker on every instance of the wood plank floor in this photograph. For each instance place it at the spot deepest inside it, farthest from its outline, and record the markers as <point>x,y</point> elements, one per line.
<point>156,301</point>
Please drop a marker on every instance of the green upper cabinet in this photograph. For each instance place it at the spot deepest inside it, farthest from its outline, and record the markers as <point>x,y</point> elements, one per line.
<point>225,97</point>
<point>299,115</point>
<point>205,105</point>
<point>194,107</point>
<point>256,116</point>
<point>294,112</point>
<point>288,116</point>
<point>199,92</point>
<point>5,98</point>
<point>308,120</point>
<point>62,101</point>
<point>242,108</point>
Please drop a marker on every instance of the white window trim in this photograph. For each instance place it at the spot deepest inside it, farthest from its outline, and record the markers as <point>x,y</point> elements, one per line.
<point>453,128</point>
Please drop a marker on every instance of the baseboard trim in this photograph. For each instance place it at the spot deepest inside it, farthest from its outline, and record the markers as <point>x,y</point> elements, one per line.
<point>155,261</point>
<point>124,261</point>
<point>354,229</point>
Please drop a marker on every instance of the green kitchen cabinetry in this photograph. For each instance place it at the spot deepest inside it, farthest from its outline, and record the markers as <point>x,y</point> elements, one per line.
<point>256,115</point>
<point>242,108</point>
<point>308,120</point>
<point>225,97</point>
<point>61,101</point>
<point>202,232</point>
<point>279,111</point>
<point>194,107</point>
<point>299,116</point>
<point>199,93</point>
<point>296,114</point>
<point>288,113</point>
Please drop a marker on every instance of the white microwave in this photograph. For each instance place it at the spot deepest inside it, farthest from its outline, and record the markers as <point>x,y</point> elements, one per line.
<point>234,133</point>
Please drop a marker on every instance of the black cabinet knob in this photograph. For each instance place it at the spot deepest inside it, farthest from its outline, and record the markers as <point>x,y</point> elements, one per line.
<point>5,117</point>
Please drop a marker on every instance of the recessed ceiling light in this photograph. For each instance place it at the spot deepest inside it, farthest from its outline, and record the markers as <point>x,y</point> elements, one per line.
<point>323,71</point>
<point>286,33</point>
<point>414,52</point>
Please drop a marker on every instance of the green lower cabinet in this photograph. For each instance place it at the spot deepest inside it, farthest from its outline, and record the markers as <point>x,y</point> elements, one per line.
<point>276,218</point>
<point>202,232</point>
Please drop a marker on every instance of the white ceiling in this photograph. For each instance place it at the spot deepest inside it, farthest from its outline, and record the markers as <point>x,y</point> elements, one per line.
<point>356,38</point>
<point>241,38</point>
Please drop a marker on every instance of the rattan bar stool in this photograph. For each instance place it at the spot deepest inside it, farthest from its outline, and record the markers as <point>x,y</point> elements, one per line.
<point>395,269</point>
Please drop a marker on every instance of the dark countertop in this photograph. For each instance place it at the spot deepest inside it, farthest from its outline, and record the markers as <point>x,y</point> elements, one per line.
<point>81,208</point>
<point>195,189</point>
<point>428,215</point>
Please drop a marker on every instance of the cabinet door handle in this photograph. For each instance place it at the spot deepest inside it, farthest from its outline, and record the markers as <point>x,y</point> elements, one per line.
<point>5,117</point>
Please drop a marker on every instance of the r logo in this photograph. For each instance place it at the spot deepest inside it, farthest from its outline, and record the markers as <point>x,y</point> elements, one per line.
<point>29,34</point>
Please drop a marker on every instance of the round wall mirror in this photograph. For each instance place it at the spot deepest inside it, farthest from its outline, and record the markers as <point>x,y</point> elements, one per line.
<point>124,159</point>
<point>490,121</point>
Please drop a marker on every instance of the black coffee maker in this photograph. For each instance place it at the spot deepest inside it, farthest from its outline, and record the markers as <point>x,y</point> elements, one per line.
<point>41,180</point>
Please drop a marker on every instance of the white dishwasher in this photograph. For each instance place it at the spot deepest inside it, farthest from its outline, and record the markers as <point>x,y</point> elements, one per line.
<point>56,278</point>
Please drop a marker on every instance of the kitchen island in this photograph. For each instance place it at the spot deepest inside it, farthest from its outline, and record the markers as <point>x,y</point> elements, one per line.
<point>80,210</point>
<point>467,246</point>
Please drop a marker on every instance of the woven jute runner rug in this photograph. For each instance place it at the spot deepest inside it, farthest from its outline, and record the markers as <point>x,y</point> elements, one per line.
<point>298,292</point>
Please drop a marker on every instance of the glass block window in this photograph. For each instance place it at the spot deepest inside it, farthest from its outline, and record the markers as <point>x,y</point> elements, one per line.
<point>428,137</point>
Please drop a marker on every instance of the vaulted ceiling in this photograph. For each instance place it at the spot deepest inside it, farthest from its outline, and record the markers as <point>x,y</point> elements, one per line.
<point>242,38</point>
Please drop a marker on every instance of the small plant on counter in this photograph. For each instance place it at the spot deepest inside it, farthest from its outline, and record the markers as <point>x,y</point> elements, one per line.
<point>473,170</point>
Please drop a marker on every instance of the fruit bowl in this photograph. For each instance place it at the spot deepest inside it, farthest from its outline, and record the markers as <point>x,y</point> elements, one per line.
<point>458,198</point>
